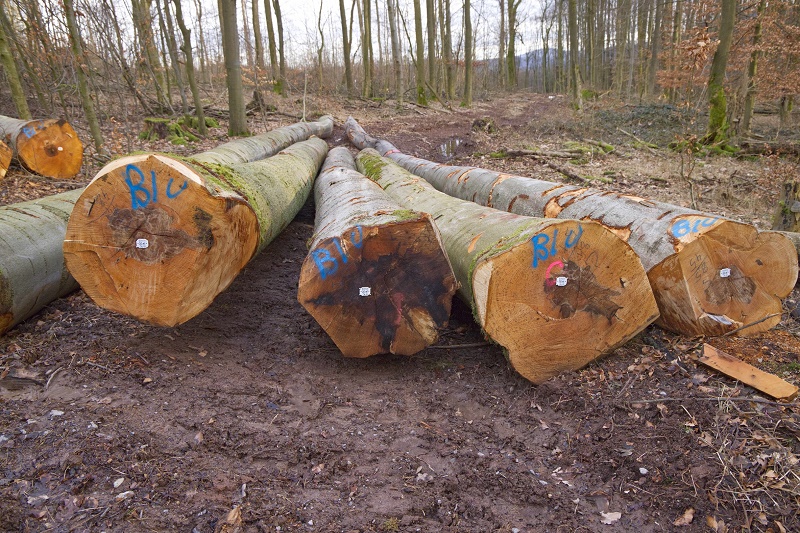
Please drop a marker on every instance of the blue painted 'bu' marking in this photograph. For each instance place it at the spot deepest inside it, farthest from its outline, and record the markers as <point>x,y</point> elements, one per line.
<point>141,196</point>
<point>684,227</point>
<point>326,262</point>
<point>545,246</point>
<point>28,131</point>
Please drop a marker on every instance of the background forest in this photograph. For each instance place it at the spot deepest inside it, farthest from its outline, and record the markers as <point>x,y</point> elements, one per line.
<point>108,59</point>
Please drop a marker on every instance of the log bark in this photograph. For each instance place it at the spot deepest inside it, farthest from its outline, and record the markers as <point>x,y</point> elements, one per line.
<point>266,144</point>
<point>5,159</point>
<point>376,278</point>
<point>709,275</point>
<point>32,270</point>
<point>157,238</point>
<point>46,147</point>
<point>536,286</point>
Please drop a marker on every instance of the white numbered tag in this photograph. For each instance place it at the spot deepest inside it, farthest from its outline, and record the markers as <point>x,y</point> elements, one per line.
<point>725,272</point>
<point>364,291</point>
<point>142,243</point>
<point>561,281</point>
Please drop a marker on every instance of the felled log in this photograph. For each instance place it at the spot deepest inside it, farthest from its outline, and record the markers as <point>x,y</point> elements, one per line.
<point>556,294</point>
<point>157,238</point>
<point>47,147</point>
<point>32,270</point>
<point>5,159</point>
<point>710,275</point>
<point>376,277</point>
<point>266,144</point>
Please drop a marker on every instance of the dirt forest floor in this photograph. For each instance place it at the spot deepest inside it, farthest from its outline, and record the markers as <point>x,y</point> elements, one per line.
<point>247,418</point>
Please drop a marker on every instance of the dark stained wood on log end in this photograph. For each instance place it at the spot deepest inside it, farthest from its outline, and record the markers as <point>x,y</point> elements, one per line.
<point>380,289</point>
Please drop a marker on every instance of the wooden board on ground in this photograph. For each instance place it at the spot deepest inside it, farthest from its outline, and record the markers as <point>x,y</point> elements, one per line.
<point>48,147</point>
<point>710,275</point>
<point>557,294</point>
<point>765,382</point>
<point>376,277</point>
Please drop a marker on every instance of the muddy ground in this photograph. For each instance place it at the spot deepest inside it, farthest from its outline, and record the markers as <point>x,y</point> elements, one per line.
<point>247,418</point>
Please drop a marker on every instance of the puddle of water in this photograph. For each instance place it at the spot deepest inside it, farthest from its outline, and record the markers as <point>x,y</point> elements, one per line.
<point>449,147</point>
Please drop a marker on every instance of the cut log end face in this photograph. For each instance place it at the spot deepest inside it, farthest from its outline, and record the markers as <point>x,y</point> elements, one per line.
<point>726,278</point>
<point>379,289</point>
<point>569,294</point>
<point>147,238</point>
<point>50,148</point>
<point>5,159</point>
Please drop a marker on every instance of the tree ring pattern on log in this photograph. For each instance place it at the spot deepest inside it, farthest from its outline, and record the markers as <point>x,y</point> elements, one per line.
<point>157,227</point>
<point>735,286</point>
<point>50,148</point>
<point>581,292</point>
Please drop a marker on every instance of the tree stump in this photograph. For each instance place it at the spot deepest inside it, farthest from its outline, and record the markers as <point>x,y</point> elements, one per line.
<point>157,238</point>
<point>709,275</point>
<point>556,294</point>
<point>49,147</point>
<point>376,278</point>
<point>32,270</point>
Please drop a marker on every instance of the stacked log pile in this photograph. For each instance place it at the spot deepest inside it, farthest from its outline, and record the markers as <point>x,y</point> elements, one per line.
<point>376,277</point>
<point>537,286</point>
<point>710,275</point>
<point>49,147</point>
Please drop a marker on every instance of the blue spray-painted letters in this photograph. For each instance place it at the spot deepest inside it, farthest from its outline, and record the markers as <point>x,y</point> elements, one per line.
<point>327,260</point>
<point>141,196</point>
<point>685,227</point>
<point>545,246</point>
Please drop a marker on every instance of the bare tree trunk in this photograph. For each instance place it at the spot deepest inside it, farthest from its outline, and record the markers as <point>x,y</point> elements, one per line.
<point>620,51</point>
<point>468,56</point>
<point>420,78</point>
<point>245,35</point>
<point>750,97</point>
<point>366,46</point>
<point>431,26</point>
<point>575,75</point>
<point>83,83</point>
<point>260,62</point>
<point>397,67</point>
<point>447,44</point>
<point>348,69</point>
<point>717,102</point>
<point>12,75</point>
<point>186,47</point>
<point>320,48</point>
<point>501,53</point>
<point>143,23</point>
<point>281,49</point>
<point>233,69</point>
<point>273,51</point>
<point>655,48</point>
<point>511,60</point>
<point>165,21</point>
